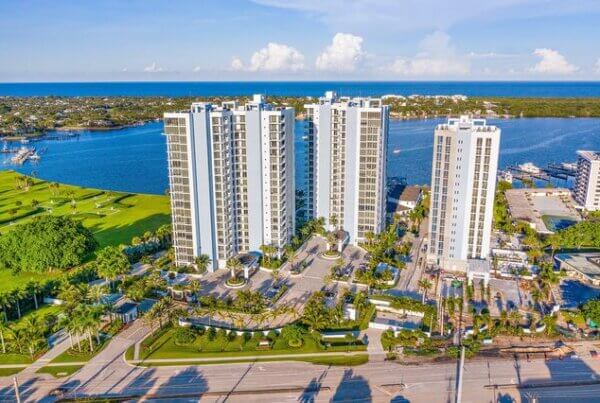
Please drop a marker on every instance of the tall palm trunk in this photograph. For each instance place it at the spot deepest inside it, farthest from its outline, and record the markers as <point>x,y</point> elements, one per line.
<point>2,339</point>
<point>18,309</point>
<point>78,342</point>
<point>97,337</point>
<point>89,333</point>
<point>71,339</point>
<point>35,301</point>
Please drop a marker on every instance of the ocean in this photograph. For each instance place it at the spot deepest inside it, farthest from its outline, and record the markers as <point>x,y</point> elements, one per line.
<point>308,88</point>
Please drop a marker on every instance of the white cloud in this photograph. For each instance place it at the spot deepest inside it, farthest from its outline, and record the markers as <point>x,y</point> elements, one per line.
<point>236,64</point>
<point>274,57</point>
<point>598,66</point>
<point>197,69</point>
<point>124,69</point>
<point>491,55</point>
<point>552,62</point>
<point>344,53</point>
<point>437,57</point>
<point>153,68</point>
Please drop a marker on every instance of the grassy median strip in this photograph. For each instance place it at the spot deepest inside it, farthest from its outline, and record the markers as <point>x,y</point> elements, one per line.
<point>336,360</point>
<point>59,371</point>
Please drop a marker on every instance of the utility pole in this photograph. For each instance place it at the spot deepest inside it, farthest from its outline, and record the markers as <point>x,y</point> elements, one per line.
<point>460,375</point>
<point>17,394</point>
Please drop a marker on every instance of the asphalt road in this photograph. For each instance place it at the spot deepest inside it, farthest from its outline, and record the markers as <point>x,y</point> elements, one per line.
<point>109,375</point>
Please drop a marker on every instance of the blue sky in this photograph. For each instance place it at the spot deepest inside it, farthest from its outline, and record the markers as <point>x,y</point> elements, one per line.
<point>299,40</point>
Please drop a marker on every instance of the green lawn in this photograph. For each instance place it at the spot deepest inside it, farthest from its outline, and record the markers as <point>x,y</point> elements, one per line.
<point>40,312</point>
<point>9,371</point>
<point>335,360</point>
<point>75,356</point>
<point>164,347</point>
<point>113,217</point>
<point>59,372</point>
<point>9,282</point>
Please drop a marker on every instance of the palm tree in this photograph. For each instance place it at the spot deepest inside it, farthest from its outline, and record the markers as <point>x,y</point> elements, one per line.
<point>194,287</point>
<point>96,292</point>
<point>425,285</point>
<point>234,265</point>
<point>268,252</point>
<point>34,288</point>
<point>112,263</point>
<point>202,262</point>
<point>6,302</point>
<point>514,317</point>
<point>3,328</point>
<point>32,331</point>
<point>333,221</point>
<point>17,295</point>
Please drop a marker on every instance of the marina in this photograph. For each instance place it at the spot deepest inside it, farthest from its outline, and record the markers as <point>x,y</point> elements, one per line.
<point>529,172</point>
<point>21,154</point>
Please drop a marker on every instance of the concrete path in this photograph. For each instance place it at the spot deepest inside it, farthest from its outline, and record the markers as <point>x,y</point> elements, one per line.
<point>374,347</point>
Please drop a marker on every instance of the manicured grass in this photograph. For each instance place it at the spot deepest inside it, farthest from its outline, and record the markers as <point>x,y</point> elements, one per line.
<point>113,217</point>
<point>164,347</point>
<point>59,372</point>
<point>76,356</point>
<point>39,313</point>
<point>14,358</point>
<point>336,360</point>
<point>8,281</point>
<point>9,371</point>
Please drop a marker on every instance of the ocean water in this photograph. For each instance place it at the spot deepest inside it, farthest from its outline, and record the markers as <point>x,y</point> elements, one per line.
<point>308,88</point>
<point>134,159</point>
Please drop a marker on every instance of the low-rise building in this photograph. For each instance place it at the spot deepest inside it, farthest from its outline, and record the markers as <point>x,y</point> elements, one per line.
<point>584,266</point>
<point>409,199</point>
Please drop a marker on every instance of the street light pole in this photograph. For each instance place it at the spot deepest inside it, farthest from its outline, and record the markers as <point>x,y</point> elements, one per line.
<point>17,394</point>
<point>460,375</point>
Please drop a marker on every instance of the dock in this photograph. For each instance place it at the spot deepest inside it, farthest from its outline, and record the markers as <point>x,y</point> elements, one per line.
<point>562,171</point>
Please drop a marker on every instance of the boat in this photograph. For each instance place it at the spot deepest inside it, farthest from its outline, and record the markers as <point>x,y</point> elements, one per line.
<point>506,176</point>
<point>529,167</point>
<point>23,154</point>
<point>396,151</point>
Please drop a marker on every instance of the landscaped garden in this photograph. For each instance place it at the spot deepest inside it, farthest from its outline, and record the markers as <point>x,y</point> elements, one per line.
<point>179,342</point>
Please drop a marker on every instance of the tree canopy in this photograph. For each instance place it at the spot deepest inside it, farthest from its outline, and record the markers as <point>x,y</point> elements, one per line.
<point>45,243</point>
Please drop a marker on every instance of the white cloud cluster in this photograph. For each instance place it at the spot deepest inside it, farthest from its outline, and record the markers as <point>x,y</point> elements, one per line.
<point>343,55</point>
<point>552,62</point>
<point>598,66</point>
<point>274,57</point>
<point>153,68</point>
<point>437,57</point>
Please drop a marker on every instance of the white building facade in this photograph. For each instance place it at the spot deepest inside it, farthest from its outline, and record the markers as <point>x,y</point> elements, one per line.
<point>231,178</point>
<point>346,163</point>
<point>463,184</point>
<point>587,182</point>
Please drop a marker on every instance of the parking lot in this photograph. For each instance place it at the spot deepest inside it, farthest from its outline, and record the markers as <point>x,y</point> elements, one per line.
<point>299,287</point>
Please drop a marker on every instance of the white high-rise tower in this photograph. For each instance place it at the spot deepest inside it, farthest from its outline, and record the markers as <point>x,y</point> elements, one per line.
<point>231,176</point>
<point>463,183</point>
<point>587,183</point>
<point>347,145</point>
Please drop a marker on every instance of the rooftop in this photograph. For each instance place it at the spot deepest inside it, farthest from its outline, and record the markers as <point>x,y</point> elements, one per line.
<point>587,264</point>
<point>589,155</point>
<point>411,193</point>
<point>466,122</point>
